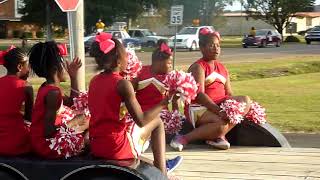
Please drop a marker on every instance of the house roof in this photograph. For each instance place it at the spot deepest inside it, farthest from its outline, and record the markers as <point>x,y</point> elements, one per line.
<point>307,14</point>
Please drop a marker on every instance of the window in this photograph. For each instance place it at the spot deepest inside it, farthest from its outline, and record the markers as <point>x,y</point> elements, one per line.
<point>138,34</point>
<point>308,21</point>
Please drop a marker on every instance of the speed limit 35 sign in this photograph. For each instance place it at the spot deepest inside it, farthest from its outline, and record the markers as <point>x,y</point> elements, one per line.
<point>176,17</point>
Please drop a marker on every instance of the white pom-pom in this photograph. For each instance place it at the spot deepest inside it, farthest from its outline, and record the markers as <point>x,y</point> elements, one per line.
<point>172,121</point>
<point>183,83</point>
<point>67,142</point>
<point>256,114</point>
<point>234,110</point>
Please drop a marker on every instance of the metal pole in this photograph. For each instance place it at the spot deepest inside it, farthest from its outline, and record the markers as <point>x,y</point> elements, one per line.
<point>48,21</point>
<point>77,34</point>
<point>174,47</point>
<point>70,30</point>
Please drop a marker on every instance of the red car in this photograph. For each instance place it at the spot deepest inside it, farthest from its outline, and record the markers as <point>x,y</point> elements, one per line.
<point>263,38</point>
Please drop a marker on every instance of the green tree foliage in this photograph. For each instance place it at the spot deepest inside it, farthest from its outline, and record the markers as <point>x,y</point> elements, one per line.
<point>205,10</point>
<point>277,12</point>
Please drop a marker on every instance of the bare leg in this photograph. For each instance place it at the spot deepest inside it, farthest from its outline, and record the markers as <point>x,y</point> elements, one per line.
<point>209,126</point>
<point>156,129</point>
<point>245,99</point>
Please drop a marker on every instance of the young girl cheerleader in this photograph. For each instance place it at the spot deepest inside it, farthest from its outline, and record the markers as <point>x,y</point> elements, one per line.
<point>109,135</point>
<point>210,121</point>
<point>47,62</point>
<point>15,95</point>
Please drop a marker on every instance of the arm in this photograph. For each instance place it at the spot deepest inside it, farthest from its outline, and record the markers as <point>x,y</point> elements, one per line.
<point>51,104</point>
<point>228,87</point>
<point>28,104</point>
<point>126,91</point>
<point>202,98</point>
<point>135,83</point>
<point>72,69</point>
<point>175,103</point>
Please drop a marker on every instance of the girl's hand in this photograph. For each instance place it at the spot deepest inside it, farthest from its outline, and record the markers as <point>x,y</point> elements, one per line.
<point>73,67</point>
<point>169,97</point>
<point>223,116</point>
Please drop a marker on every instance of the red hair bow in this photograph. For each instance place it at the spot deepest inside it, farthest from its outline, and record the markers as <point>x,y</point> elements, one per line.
<point>63,49</point>
<point>207,31</point>
<point>105,42</point>
<point>3,53</point>
<point>165,48</point>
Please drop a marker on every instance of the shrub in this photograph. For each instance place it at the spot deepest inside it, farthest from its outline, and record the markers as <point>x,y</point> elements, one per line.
<point>40,34</point>
<point>292,39</point>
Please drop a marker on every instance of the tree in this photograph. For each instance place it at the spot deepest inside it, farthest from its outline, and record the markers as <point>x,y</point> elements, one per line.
<point>108,11</point>
<point>277,12</point>
<point>205,10</point>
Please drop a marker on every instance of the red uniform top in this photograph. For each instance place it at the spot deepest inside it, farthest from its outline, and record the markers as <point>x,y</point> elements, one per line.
<point>150,88</point>
<point>14,137</point>
<point>216,76</point>
<point>108,135</point>
<point>38,139</point>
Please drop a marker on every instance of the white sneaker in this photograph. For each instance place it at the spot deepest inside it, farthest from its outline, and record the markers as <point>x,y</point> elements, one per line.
<point>219,143</point>
<point>175,144</point>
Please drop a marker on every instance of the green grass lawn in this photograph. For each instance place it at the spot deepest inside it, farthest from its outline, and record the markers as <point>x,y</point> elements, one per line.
<point>289,89</point>
<point>292,102</point>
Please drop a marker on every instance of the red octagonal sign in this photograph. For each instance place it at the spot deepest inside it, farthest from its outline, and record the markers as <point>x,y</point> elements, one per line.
<point>68,5</point>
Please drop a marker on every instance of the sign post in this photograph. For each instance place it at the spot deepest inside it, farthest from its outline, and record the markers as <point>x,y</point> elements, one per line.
<point>176,18</point>
<point>74,9</point>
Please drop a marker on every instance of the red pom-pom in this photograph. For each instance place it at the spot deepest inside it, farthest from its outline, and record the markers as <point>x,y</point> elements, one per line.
<point>67,142</point>
<point>256,113</point>
<point>27,125</point>
<point>64,115</point>
<point>80,104</point>
<point>172,121</point>
<point>183,83</point>
<point>234,110</point>
<point>134,66</point>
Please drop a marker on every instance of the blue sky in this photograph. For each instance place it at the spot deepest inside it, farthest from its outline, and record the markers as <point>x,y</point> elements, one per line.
<point>237,6</point>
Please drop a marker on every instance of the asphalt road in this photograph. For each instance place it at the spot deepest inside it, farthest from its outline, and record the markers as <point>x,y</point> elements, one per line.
<point>232,55</point>
<point>229,55</point>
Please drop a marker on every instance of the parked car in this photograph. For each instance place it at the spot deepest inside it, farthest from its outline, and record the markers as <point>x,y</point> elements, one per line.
<point>121,35</point>
<point>148,38</point>
<point>188,38</point>
<point>263,38</point>
<point>303,33</point>
<point>313,35</point>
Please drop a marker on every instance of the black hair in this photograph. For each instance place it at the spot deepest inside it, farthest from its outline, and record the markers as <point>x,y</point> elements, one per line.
<point>45,59</point>
<point>204,39</point>
<point>13,58</point>
<point>107,61</point>
<point>157,54</point>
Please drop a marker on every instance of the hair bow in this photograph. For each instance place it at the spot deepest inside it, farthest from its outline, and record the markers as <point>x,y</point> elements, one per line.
<point>63,51</point>
<point>207,31</point>
<point>3,53</point>
<point>105,42</point>
<point>165,48</point>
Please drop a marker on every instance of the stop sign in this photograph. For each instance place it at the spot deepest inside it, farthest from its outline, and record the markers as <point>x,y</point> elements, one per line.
<point>68,5</point>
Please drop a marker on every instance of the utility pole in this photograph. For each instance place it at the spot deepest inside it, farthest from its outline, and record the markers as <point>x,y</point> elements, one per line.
<point>48,22</point>
<point>78,32</point>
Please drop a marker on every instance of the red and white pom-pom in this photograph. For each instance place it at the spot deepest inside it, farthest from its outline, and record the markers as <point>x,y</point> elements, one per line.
<point>133,67</point>
<point>257,113</point>
<point>80,104</point>
<point>67,142</point>
<point>183,83</point>
<point>172,121</point>
<point>27,125</point>
<point>234,110</point>
<point>65,115</point>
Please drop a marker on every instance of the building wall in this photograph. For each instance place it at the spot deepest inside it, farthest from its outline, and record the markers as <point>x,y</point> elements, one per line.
<point>7,9</point>
<point>302,24</point>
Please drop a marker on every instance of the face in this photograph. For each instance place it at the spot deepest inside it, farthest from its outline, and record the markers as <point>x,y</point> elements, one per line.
<point>123,60</point>
<point>211,50</point>
<point>165,66</point>
<point>23,69</point>
<point>63,74</point>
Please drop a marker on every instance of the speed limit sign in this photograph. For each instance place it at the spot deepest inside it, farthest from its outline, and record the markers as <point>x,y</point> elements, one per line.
<point>176,17</point>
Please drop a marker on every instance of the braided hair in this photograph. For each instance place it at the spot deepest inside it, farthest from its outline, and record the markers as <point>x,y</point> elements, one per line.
<point>45,59</point>
<point>13,58</point>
